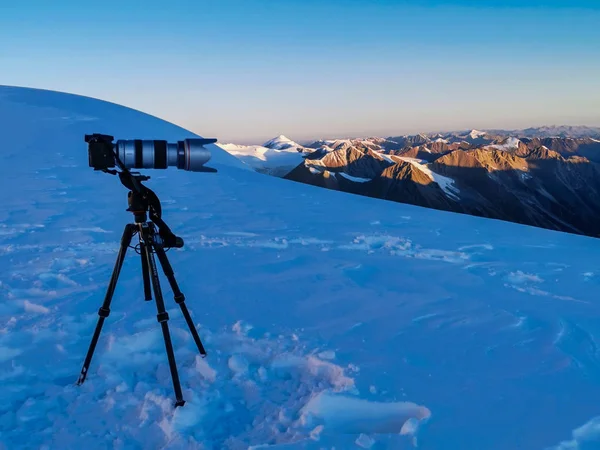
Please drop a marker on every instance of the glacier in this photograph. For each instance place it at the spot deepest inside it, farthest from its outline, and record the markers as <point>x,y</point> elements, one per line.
<point>330,320</point>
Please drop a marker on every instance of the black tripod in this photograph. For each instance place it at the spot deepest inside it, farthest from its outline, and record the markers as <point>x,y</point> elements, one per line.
<point>141,202</point>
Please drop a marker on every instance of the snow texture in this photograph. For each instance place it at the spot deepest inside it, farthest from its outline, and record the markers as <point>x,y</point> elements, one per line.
<point>330,320</point>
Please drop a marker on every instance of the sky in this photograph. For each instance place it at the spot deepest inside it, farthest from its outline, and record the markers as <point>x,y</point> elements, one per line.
<point>245,71</point>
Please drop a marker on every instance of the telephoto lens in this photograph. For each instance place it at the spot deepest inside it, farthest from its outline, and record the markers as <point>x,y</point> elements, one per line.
<point>189,154</point>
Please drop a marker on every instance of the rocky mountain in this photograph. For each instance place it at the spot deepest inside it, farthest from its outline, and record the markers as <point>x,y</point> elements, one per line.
<point>522,181</point>
<point>586,147</point>
<point>373,143</point>
<point>563,131</point>
<point>548,182</point>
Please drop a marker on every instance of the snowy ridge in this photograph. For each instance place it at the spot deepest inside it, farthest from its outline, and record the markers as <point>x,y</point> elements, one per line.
<point>448,185</point>
<point>387,157</point>
<point>330,320</point>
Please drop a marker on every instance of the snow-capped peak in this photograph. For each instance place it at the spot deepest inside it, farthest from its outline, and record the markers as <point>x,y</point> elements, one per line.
<point>281,142</point>
<point>280,138</point>
<point>474,134</point>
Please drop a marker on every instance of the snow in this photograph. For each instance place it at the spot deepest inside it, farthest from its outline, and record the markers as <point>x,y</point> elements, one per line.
<point>385,156</point>
<point>585,437</point>
<point>474,134</point>
<point>281,143</point>
<point>35,308</point>
<point>349,415</point>
<point>524,176</point>
<point>330,320</point>
<point>364,441</point>
<point>335,142</point>
<point>509,144</point>
<point>447,184</point>
<point>351,178</point>
<point>271,161</point>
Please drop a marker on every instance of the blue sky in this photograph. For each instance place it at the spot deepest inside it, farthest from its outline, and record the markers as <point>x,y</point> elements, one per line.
<point>244,70</point>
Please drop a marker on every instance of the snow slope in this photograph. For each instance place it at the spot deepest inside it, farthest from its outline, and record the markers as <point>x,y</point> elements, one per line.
<point>271,161</point>
<point>329,319</point>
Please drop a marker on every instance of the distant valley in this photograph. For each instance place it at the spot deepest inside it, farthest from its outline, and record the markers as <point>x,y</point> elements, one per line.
<point>547,177</point>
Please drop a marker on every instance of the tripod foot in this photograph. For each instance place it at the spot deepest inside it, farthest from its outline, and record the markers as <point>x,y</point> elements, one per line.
<point>179,403</point>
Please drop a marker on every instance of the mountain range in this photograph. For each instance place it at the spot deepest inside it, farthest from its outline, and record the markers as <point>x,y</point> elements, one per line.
<point>546,177</point>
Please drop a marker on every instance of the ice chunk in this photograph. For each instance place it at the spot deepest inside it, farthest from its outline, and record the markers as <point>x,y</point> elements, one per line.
<point>354,415</point>
<point>585,437</point>
<point>364,441</point>
<point>35,308</point>
<point>238,364</point>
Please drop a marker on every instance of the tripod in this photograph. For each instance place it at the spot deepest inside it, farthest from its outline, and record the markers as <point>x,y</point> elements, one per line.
<point>141,201</point>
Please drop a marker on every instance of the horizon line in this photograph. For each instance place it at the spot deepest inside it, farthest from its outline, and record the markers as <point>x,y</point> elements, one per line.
<point>388,135</point>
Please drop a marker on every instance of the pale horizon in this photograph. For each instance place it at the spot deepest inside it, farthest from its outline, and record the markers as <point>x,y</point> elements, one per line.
<point>307,137</point>
<point>300,140</point>
<point>247,71</point>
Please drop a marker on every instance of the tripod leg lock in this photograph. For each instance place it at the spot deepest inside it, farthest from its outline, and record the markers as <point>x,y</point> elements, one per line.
<point>162,317</point>
<point>180,298</point>
<point>103,312</point>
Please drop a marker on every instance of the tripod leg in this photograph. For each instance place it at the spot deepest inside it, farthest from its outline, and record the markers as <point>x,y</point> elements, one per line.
<point>179,297</point>
<point>104,310</point>
<point>145,273</point>
<point>162,316</point>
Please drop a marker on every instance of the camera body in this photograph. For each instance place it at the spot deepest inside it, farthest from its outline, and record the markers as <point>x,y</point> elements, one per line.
<point>189,154</point>
<point>100,151</point>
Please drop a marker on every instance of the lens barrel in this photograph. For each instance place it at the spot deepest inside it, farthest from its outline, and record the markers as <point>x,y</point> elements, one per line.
<point>189,154</point>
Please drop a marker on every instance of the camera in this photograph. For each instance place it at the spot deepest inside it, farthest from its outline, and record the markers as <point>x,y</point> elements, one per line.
<point>189,154</point>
